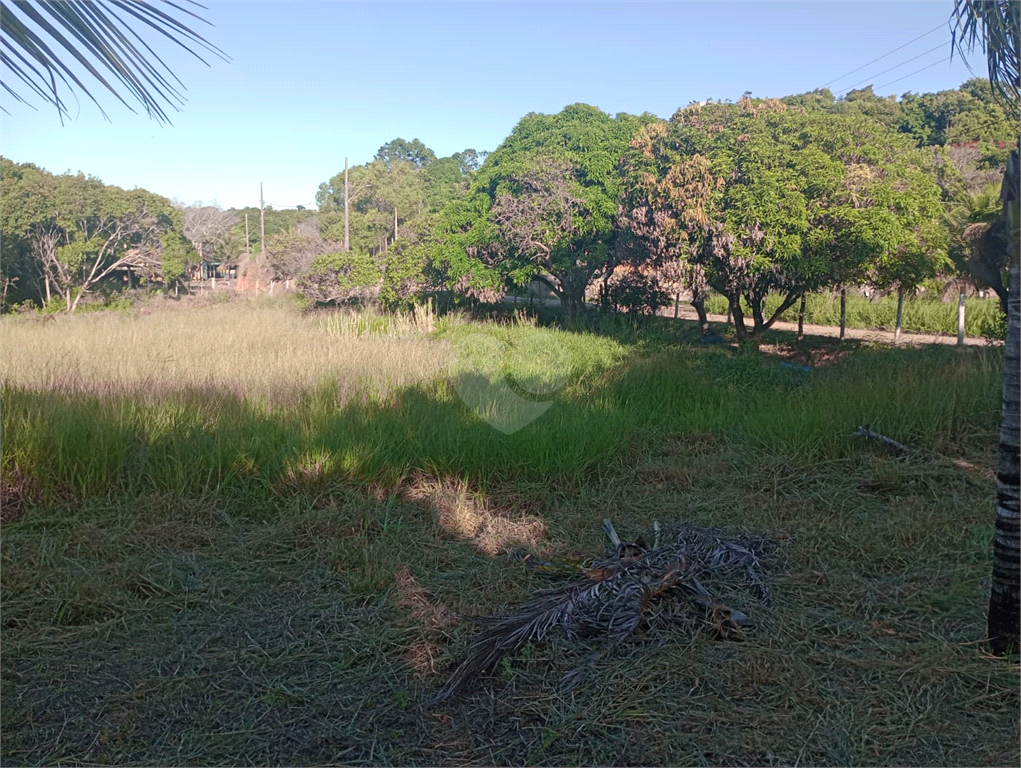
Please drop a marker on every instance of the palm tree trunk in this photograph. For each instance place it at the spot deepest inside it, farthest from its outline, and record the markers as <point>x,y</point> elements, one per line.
<point>1004,625</point>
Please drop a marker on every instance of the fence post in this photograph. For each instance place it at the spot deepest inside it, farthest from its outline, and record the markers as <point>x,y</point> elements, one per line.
<point>960,319</point>
<point>900,315</point>
<point>843,311</point>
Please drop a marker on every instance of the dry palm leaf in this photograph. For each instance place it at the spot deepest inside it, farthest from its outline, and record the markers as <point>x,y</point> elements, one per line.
<point>611,597</point>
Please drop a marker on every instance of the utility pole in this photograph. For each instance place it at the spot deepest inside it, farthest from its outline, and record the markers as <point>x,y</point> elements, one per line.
<point>347,208</point>
<point>262,223</point>
<point>395,224</point>
<point>247,250</point>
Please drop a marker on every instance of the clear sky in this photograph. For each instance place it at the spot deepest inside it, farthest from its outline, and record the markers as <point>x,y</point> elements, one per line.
<point>311,83</point>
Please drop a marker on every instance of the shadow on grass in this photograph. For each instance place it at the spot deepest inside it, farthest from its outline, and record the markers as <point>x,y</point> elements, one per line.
<point>214,444</point>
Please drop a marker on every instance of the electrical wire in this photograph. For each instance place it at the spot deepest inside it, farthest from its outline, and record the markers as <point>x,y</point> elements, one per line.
<point>890,69</point>
<point>938,26</point>
<point>913,73</point>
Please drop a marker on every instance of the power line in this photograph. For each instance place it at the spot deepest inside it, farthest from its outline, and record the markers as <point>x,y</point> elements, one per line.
<point>938,26</point>
<point>890,69</point>
<point>913,73</point>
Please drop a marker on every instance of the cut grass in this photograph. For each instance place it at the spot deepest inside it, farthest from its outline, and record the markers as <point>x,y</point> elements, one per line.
<point>160,631</point>
<point>210,575</point>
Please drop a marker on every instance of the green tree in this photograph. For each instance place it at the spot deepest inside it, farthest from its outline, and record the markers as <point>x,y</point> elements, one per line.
<point>78,231</point>
<point>448,178</point>
<point>768,198</point>
<point>543,205</point>
<point>401,151</point>
<point>339,278</point>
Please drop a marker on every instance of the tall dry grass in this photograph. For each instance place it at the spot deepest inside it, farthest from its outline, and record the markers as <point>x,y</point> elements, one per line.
<point>253,349</point>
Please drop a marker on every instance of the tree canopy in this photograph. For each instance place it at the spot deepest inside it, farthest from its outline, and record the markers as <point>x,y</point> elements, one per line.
<point>64,234</point>
<point>544,203</point>
<point>765,197</point>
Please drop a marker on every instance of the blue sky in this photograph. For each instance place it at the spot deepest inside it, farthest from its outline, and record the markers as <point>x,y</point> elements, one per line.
<point>311,83</point>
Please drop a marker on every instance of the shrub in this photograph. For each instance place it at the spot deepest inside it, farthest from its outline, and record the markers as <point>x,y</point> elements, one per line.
<point>635,293</point>
<point>340,278</point>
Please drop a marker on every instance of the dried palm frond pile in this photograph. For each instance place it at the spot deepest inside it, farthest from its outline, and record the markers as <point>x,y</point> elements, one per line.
<point>671,582</point>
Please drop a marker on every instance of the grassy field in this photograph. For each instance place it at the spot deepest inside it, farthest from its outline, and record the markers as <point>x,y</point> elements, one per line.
<point>237,535</point>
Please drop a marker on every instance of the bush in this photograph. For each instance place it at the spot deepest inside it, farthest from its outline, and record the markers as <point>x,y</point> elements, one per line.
<point>635,294</point>
<point>340,278</point>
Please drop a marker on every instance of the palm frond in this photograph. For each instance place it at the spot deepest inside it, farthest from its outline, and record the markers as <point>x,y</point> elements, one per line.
<point>42,40</point>
<point>995,25</point>
<point>611,598</point>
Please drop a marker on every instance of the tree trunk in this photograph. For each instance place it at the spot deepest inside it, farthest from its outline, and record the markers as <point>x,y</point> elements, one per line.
<point>738,313</point>
<point>573,303</point>
<point>801,319</point>
<point>843,311</point>
<point>900,315</point>
<point>347,208</point>
<point>703,318</point>
<point>1004,625</point>
<point>758,321</point>
<point>677,305</point>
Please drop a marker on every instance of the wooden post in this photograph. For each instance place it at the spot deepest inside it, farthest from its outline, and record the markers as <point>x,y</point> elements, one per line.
<point>843,311</point>
<point>262,219</point>
<point>677,304</point>
<point>960,319</point>
<point>900,315</point>
<point>347,208</point>
<point>801,319</point>
<point>247,250</point>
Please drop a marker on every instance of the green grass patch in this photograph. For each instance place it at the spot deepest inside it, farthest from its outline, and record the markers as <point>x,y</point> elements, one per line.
<point>922,314</point>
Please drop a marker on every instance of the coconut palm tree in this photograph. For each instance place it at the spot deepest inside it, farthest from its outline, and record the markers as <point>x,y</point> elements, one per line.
<point>43,42</point>
<point>996,26</point>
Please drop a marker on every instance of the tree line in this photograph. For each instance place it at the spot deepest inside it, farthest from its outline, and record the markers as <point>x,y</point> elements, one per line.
<point>748,198</point>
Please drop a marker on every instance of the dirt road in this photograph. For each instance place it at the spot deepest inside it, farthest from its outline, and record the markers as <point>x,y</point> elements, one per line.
<point>864,334</point>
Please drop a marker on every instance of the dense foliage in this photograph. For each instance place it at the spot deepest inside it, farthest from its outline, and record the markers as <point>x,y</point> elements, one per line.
<point>765,198</point>
<point>543,205</point>
<point>65,235</point>
<point>754,199</point>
